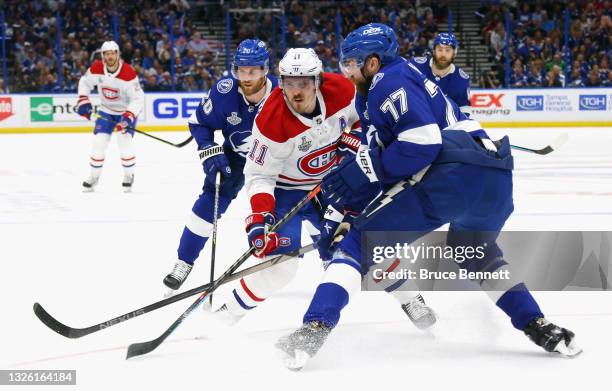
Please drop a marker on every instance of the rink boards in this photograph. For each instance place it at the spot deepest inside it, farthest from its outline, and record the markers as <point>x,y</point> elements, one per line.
<point>553,107</point>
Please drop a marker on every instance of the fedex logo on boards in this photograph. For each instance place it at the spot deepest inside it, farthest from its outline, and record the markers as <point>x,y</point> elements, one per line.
<point>486,100</point>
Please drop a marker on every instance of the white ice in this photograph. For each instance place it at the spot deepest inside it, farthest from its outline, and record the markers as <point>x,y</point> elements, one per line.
<point>90,257</point>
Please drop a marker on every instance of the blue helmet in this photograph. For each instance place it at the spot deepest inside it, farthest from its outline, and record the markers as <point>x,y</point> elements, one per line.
<point>448,39</point>
<point>373,38</point>
<point>251,52</point>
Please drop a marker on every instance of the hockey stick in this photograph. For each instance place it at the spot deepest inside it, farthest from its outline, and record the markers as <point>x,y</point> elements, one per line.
<point>141,348</point>
<point>179,145</point>
<point>553,146</point>
<point>214,232</point>
<point>72,332</point>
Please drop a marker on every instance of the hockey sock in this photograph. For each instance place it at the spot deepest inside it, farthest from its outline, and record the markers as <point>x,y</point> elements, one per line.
<point>98,152</point>
<point>254,289</point>
<point>126,150</point>
<point>199,226</point>
<point>519,305</point>
<point>342,278</point>
<point>191,244</point>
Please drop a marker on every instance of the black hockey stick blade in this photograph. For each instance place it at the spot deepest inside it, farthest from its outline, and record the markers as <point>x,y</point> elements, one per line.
<point>53,324</point>
<point>72,332</point>
<point>556,144</point>
<point>138,349</point>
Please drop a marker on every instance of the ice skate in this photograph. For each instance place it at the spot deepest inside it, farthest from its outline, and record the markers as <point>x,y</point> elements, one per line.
<point>90,183</point>
<point>128,181</point>
<point>217,323</point>
<point>178,275</point>
<point>552,338</point>
<point>298,347</point>
<point>419,313</point>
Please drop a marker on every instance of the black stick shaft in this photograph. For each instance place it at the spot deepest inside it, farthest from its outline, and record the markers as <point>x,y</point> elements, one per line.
<point>72,332</point>
<point>178,145</point>
<point>214,232</point>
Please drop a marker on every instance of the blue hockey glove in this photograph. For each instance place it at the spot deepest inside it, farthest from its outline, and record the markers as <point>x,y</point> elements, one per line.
<point>213,160</point>
<point>84,108</point>
<point>352,177</point>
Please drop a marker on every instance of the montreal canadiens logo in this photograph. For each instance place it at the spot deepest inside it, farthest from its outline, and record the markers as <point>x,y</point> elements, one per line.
<point>110,93</point>
<point>318,161</point>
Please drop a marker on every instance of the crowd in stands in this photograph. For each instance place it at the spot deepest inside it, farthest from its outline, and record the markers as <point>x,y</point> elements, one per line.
<point>314,24</point>
<point>537,48</point>
<point>143,34</point>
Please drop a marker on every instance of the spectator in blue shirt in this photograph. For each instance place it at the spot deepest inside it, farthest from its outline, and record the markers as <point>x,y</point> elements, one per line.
<point>518,79</point>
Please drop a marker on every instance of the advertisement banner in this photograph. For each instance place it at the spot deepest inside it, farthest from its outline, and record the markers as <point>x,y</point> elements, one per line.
<point>30,113</point>
<point>542,107</point>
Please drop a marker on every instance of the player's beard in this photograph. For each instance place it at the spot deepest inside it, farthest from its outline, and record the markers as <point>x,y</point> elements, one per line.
<point>252,86</point>
<point>364,86</point>
<point>443,64</point>
<point>112,68</point>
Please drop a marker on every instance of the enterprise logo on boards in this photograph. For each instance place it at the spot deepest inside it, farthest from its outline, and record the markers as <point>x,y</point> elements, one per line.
<point>530,103</point>
<point>593,102</point>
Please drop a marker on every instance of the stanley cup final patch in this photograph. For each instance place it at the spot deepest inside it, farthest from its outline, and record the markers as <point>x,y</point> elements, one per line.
<point>305,145</point>
<point>234,119</point>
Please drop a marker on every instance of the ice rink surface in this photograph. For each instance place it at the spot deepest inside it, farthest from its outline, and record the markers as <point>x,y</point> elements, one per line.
<point>91,257</point>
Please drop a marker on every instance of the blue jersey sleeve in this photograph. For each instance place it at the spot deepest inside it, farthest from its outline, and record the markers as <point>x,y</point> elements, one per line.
<point>399,109</point>
<point>462,94</point>
<point>208,117</point>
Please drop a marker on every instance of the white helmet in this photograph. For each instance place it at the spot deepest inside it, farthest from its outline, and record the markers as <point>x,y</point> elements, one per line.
<point>300,62</point>
<point>109,46</point>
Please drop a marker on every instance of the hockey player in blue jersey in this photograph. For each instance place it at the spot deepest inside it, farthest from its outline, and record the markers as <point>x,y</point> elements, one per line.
<point>435,166</point>
<point>231,106</point>
<point>440,69</point>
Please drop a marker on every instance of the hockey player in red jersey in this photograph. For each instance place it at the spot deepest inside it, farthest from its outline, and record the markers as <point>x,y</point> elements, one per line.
<point>296,141</point>
<point>296,137</point>
<point>121,100</point>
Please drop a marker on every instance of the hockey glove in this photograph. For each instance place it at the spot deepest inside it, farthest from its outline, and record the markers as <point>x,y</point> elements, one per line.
<point>127,122</point>
<point>84,108</point>
<point>213,160</point>
<point>257,226</point>
<point>352,176</point>
<point>329,225</point>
